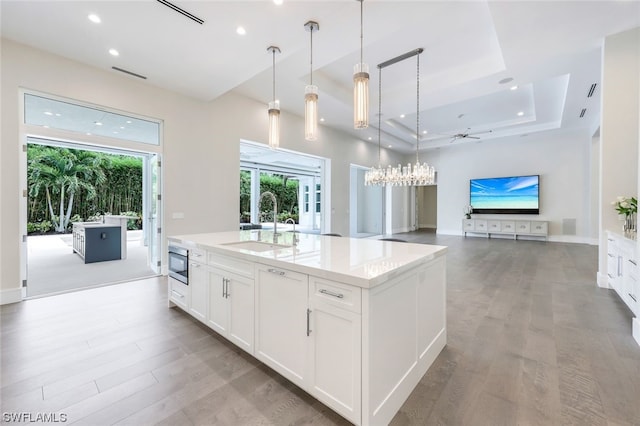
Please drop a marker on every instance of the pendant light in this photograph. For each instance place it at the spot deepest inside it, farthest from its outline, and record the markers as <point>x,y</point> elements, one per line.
<point>311,94</point>
<point>274,107</point>
<point>361,86</point>
<point>418,174</point>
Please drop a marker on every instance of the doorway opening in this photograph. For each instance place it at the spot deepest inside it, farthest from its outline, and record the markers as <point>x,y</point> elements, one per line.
<point>65,191</point>
<point>94,185</point>
<point>299,182</point>
<point>367,206</point>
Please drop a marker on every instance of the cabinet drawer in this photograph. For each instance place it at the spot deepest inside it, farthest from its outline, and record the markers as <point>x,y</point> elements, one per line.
<point>523,227</point>
<point>494,226</point>
<point>197,255</point>
<point>230,264</point>
<point>178,293</point>
<point>541,228</point>
<point>336,294</point>
<point>467,224</point>
<point>508,226</point>
<point>481,225</point>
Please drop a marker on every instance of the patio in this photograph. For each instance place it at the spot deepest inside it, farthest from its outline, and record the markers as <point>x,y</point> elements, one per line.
<point>53,267</point>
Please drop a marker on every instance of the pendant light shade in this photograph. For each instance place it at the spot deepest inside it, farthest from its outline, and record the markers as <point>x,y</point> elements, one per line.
<point>361,86</point>
<point>274,107</point>
<point>274,124</point>
<point>311,94</point>
<point>311,112</point>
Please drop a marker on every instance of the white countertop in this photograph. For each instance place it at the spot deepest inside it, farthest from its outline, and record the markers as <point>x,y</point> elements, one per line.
<point>362,262</point>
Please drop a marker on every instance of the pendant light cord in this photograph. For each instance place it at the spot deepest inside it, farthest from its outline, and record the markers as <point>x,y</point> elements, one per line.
<point>361,32</point>
<point>417,109</point>
<point>311,60</point>
<point>379,115</point>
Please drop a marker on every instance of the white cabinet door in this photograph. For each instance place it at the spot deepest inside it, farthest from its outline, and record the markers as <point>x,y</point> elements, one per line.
<point>336,358</point>
<point>178,293</point>
<point>199,286</point>
<point>218,315</point>
<point>281,323</point>
<point>240,298</point>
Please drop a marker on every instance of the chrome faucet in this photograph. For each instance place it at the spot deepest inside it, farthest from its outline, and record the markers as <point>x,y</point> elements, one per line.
<point>295,238</point>
<point>275,212</point>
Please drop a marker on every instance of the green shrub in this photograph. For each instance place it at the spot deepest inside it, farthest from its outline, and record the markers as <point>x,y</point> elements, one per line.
<point>44,226</point>
<point>135,222</point>
<point>32,227</point>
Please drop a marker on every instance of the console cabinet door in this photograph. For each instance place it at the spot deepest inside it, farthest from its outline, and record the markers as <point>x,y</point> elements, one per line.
<point>199,285</point>
<point>281,322</point>
<point>240,298</point>
<point>336,358</point>
<point>218,315</point>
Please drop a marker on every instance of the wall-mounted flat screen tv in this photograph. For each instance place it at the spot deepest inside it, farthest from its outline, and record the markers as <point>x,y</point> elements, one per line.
<point>505,195</point>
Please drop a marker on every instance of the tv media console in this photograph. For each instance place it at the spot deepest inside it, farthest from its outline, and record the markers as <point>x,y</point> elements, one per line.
<point>535,228</point>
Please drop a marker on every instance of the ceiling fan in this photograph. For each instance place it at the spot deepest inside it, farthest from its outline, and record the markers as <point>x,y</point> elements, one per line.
<point>467,136</point>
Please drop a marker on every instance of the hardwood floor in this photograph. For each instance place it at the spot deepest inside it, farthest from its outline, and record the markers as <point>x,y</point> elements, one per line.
<point>531,341</point>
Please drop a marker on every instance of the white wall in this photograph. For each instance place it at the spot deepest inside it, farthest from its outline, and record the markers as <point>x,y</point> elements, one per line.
<point>561,158</point>
<point>200,148</point>
<point>619,130</point>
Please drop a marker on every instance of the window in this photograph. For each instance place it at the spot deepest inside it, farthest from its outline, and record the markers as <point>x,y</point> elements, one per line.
<point>306,198</point>
<point>318,198</point>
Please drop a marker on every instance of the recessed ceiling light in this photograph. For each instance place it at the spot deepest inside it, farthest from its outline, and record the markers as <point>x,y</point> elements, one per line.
<point>94,18</point>
<point>128,121</point>
<point>48,113</point>
<point>424,132</point>
<point>515,87</point>
<point>278,2</point>
<point>114,52</point>
<point>506,80</point>
<point>322,119</point>
<point>369,138</point>
<point>115,133</point>
<point>240,30</point>
<point>520,114</point>
<point>97,123</point>
<point>122,127</point>
<point>88,134</point>
<point>390,146</point>
<point>402,115</point>
<point>57,114</point>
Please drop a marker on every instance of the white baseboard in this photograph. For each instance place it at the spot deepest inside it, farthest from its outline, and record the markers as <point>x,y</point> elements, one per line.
<point>427,226</point>
<point>601,280</point>
<point>12,295</point>
<point>400,230</point>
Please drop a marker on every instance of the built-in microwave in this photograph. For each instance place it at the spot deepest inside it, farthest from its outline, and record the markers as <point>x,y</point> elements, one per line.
<point>179,264</point>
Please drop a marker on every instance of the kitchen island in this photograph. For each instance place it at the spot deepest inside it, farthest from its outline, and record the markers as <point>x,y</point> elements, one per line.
<point>354,322</point>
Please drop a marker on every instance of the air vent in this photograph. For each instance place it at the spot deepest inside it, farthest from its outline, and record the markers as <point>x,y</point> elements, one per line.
<point>181,11</point>
<point>129,72</point>
<point>591,90</point>
<point>583,112</point>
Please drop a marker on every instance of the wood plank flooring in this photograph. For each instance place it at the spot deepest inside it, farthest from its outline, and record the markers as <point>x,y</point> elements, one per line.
<point>531,341</point>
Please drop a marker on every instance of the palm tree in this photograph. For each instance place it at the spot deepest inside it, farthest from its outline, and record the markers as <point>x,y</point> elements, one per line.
<point>62,172</point>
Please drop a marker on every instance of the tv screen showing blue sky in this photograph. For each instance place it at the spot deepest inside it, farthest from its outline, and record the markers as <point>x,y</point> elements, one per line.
<point>518,192</point>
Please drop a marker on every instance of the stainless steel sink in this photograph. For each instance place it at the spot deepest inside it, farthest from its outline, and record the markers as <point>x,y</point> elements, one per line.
<point>258,246</point>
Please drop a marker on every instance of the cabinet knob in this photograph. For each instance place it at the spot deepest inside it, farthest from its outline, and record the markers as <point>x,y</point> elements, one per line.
<point>275,271</point>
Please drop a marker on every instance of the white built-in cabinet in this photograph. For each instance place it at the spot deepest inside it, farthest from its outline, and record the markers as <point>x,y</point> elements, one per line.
<point>532,228</point>
<point>360,351</point>
<point>623,274</point>
<point>198,284</point>
<point>231,300</point>
<point>309,330</point>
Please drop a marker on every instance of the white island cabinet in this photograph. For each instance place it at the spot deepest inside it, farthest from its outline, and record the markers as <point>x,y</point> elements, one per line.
<point>355,323</point>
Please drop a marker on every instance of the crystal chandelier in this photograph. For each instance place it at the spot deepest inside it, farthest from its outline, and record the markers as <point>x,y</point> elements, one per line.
<point>418,174</point>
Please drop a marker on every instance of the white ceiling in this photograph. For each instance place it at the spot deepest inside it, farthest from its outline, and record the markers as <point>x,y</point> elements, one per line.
<point>551,49</point>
